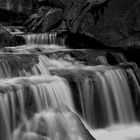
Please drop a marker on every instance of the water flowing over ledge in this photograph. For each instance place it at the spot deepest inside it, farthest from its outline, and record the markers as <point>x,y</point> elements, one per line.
<point>49,93</point>
<point>51,90</point>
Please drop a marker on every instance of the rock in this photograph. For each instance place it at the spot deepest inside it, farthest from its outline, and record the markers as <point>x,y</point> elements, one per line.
<point>80,15</point>
<point>111,22</point>
<point>133,18</point>
<point>132,42</point>
<point>54,3</point>
<point>122,19</point>
<point>52,19</point>
<point>58,3</point>
<point>34,21</point>
<point>46,19</point>
<point>62,27</point>
<point>45,125</point>
<point>17,62</point>
<point>6,39</point>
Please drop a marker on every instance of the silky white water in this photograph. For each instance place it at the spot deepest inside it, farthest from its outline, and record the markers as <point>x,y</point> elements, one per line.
<point>44,38</point>
<point>40,102</point>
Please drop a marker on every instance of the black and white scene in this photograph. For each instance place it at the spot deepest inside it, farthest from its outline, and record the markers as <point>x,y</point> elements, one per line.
<point>69,69</point>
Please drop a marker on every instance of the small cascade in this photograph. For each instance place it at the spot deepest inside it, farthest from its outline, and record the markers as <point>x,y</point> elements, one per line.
<point>103,60</point>
<point>116,94</point>
<point>44,38</point>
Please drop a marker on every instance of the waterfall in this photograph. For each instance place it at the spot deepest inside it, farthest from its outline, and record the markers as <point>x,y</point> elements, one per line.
<point>118,83</point>
<point>44,38</point>
<point>54,95</point>
<point>47,92</point>
<point>104,94</point>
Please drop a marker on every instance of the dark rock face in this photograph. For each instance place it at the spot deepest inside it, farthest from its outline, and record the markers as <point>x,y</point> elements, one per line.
<point>81,16</point>
<point>58,3</point>
<point>113,22</point>
<point>6,38</point>
<point>52,19</point>
<point>119,20</point>
<point>46,19</point>
<point>133,18</point>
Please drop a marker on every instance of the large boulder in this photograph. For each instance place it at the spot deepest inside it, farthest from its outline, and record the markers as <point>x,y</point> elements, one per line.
<point>81,15</point>
<point>119,24</point>
<point>109,21</point>
<point>8,39</point>
<point>46,19</point>
<point>52,19</point>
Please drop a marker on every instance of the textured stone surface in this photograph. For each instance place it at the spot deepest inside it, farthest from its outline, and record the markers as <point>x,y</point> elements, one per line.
<point>6,39</point>
<point>112,22</point>
<point>46,19</point>
<point>52,19</point>
<point>58,3</point>
<point>80,15</point>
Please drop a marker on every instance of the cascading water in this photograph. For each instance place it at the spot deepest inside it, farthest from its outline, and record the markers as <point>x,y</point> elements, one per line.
<point>44,38</point>
<point>39,92</point>
<point>47,91</point>
<point>41,42</point>
<point>104,94</point>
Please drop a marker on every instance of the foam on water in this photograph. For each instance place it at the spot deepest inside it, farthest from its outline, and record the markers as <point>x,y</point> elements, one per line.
<point>119,132</point>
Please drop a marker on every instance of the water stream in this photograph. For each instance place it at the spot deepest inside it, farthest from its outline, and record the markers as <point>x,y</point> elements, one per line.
<point>54,96</point>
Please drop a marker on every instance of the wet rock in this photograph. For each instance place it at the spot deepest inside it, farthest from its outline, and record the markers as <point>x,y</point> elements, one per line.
<point>15,63</point>
<point>52,19</point>
<point>66,124</point>
<point>128,26</point>
<point>46,19</point>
